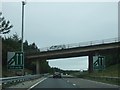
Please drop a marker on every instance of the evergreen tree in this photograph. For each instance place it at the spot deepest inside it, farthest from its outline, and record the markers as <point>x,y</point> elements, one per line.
<point>4,25</point>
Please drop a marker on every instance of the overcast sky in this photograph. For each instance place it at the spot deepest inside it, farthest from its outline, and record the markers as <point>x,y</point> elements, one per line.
<point>55,23</point>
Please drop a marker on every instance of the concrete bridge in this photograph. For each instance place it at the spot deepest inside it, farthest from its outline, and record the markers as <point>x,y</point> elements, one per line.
<point>89,49</point>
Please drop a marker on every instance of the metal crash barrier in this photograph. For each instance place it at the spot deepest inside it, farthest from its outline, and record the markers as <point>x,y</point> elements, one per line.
<point>17,79</point>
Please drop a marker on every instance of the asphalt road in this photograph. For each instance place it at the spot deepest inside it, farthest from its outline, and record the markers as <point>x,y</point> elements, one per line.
<point>55,83</point>
<point>70,83</point>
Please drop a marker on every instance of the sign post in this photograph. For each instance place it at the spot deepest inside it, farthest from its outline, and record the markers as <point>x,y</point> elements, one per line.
<point>15,60</point>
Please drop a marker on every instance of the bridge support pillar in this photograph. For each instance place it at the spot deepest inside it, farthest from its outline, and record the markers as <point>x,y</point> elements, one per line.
<point>37,67</point>
<point>90,63</point>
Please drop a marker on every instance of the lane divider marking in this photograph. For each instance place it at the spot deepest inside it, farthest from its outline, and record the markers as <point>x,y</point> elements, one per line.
<point>36,84</point>
<point>67,81</point>
<point>74,84</point>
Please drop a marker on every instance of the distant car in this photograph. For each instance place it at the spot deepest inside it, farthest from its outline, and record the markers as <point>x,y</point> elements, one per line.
<point>57,75</point>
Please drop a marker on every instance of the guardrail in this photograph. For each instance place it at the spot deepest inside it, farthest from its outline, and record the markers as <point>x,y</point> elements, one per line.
<point>9,80</point>
<point>82,44</point>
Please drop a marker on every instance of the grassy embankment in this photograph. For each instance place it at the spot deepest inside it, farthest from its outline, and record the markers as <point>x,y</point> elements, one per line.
<point>112,71</point>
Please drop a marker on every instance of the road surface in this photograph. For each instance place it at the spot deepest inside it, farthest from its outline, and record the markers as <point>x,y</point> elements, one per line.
<point>70,83</point>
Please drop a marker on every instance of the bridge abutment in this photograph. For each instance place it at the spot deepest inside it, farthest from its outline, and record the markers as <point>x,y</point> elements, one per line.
<point>90,63</point>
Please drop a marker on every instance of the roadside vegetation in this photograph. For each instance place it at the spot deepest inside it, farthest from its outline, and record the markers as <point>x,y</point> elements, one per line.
<point>111,71</point>
<point>105,76</point>
<point>5,25</point>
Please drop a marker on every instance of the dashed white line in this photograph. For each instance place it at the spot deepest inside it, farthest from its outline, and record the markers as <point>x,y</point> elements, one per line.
<point>37,83</point>
<point>74,84</point>
<point>67,81</point>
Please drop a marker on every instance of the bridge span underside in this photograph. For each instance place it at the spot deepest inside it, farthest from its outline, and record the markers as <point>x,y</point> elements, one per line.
<point>89,51</point>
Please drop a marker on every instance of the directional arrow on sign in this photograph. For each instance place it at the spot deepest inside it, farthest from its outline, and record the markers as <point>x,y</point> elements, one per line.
<point>15,60</point>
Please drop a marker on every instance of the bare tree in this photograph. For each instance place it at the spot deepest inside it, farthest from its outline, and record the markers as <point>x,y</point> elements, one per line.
<point>4,25</point>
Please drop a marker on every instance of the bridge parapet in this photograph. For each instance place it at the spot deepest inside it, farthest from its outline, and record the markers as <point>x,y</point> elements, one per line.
<point>81,44</point>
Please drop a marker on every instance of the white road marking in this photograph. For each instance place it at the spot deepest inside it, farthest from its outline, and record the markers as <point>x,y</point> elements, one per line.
<point>74,84</point>
<point>67,81</point>
<point>37,83</point>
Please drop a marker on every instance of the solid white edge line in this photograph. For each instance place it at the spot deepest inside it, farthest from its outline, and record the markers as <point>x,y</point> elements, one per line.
<point>37,83</point>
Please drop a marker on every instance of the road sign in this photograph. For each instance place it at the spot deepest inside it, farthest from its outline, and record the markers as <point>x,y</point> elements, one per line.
<point>15,60</point>
<point>98,62</point>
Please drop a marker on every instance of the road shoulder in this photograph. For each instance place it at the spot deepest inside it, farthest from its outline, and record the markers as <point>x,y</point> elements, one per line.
<point>27,84</point>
